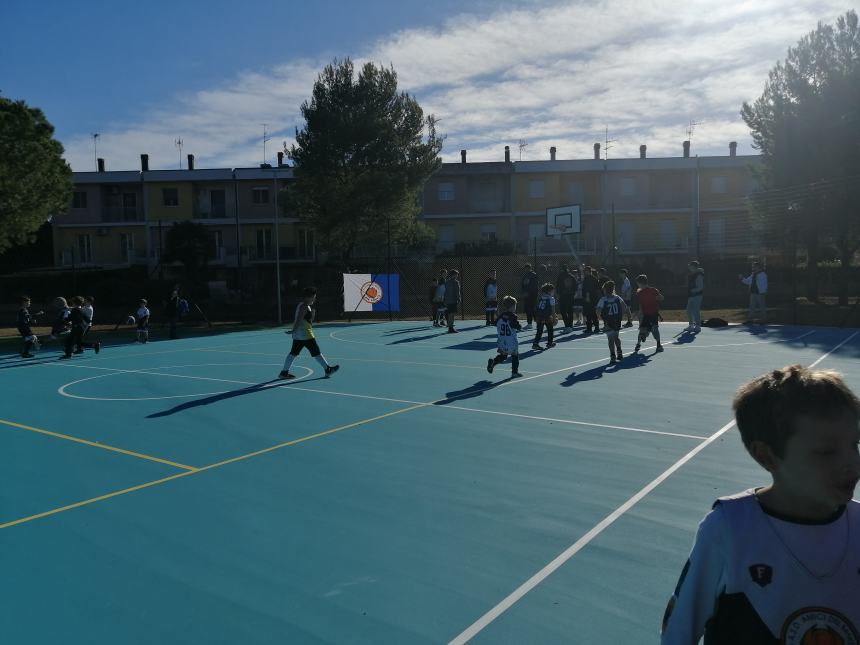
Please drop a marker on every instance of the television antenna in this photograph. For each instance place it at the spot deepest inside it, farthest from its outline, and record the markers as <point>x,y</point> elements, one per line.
<point>691,128</point>
<point>607,143</point>
<point>523,144</point>
<point>265,138</point>
<point>178,144</point>
<point>95,136</point>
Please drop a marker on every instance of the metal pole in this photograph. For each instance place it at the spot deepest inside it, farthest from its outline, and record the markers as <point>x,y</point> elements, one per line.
<point>388,269</point>
<point>160,254</point>
<point>238,239</point>
<point>277,250</point>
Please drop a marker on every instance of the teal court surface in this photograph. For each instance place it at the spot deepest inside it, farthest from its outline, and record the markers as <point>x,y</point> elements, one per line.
<point>175,492</point>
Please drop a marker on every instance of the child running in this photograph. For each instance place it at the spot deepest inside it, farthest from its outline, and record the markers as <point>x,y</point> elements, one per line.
<point>780,563</point>
<point>303,336</point>
<point>611,307</point>
<point>60,326</point>
<point>649,307</point>
<point>79,322</point>
<point>24,323</point>
<point>507,327</point>
<point>142,319</point>
<point>545,315</point>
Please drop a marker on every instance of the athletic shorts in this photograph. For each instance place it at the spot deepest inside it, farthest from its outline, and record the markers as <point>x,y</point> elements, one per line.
<point>451,308</point>
<point>508,345</point>
<point>649,322</point>
<point>310,343</point>
<point>612,326</point>
<point>492,305</point>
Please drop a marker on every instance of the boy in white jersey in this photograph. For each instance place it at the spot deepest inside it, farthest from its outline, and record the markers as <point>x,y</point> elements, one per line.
<point>507,327</point>
<point>303,335</point>
<point>610,307</point>
<point>141,317</point>
<point>781,564</point>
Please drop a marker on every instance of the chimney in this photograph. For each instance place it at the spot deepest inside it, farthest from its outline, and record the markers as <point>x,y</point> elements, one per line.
<point>686,148</point>
<point>552,154</point>
<point>190,162</point>
<point>101,163</point>
<point>733,149</point>
<point>642,150</point>
<point>597,151</point>
<point>462,156</point>
<point>144,163</point>
<point>507,154</point>
<point>280,159</point>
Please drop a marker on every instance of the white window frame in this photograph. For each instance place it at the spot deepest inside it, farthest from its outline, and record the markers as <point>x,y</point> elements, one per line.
<point>489,232</point>
<point>126,246</point>
<point>445,191</point>
<point>255,191</point>
<point>85,248</point>
<point>536,188</point>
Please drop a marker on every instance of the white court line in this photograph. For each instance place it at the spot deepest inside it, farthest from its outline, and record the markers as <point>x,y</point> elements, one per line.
<point>476,627</point>
<point>677,345</point>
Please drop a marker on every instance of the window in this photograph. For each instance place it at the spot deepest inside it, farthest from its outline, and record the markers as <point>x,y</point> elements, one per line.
<point>488,232</point>
<point>260,195</point>
<point>575,193</point>
<point>264,243</point>
<point>85,249</point>
<point>668,236</point>
<point>170,196</point>
<point>716,233</point>
<point>628,186</point>
<point>129,207</point>
<point>536,188</point>
<point>719,184</point>
<point>126,246</point>
<point>445,235</point>
<point>537,230</point>
<point>217,245</point>
<point>218,202</point>
<point>79,199</point>
<point>626,239</point>
<point>306,243</point>
<point>445,192</point>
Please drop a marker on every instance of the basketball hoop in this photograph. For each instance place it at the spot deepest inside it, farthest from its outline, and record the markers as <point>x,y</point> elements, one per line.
<point>560,229</point>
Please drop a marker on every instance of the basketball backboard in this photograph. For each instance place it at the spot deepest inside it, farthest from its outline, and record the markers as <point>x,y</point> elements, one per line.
<point>563,220</point>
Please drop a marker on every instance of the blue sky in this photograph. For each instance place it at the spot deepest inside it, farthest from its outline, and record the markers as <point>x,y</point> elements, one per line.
<point>552,73</point>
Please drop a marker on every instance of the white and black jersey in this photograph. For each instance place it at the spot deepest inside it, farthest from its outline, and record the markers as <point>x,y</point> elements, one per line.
<point>756,578</point>
<point>507,327</point>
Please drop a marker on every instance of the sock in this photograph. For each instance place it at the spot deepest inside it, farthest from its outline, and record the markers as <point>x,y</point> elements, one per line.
<point>656,334</point>
<point>515,363</point>
<point>288,362</point>
<point>321,360</point>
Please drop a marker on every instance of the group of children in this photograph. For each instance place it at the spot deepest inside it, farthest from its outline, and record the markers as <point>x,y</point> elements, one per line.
<point>72,322</point>
<point>610,307</point>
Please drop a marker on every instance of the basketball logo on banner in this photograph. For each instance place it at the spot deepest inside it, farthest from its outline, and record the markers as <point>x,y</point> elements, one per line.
<point>372,292</point>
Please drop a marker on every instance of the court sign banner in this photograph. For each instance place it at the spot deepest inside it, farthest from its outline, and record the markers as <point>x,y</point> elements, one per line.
<point>371,292</point>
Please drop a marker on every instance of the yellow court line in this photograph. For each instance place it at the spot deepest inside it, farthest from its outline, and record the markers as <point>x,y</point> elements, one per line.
<point>204,468</point>
<point>103,446</point>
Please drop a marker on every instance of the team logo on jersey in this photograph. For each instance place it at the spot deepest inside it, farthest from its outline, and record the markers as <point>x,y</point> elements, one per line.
<point>814,625</point>
<point>761,574</point>
<point>372,292</point>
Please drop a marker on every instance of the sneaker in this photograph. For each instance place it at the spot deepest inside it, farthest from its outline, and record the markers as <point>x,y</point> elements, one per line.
<point>536,346</point>
<point>515,374</point>
<point>331,369</point>
<point>567,330</point>
<point>629,323</point>
<point>98,347</point>
<point>548,345</point>
<point>620,356</point>
<point>659,348</point>
<point>285,375</point>
<point>529,326</point>
<point>688,328</point>
<point>451,330</point>
<point>490,365</point>
<point>612,360</point>
<point>65,357</point>
<point>28,355</point>
<point>696,329</point>
<point>636,349</point>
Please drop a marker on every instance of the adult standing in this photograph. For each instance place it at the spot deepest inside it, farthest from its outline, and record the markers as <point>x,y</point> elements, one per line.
<point>590,296</point>
<point>566,289</point>
<point>757,282</point>
<point>171,311</point>
<point>452,298</point>
<point>529,288</point>
<point>626,293</point>
<point>695,292</point>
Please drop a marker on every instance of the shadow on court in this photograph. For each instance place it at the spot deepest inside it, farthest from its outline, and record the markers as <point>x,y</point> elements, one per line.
<point>472,391</point>
<point>232,394</point>
<point>631,361</point>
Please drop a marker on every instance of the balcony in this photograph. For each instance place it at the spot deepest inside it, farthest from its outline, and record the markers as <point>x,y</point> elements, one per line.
<point>115,214</point>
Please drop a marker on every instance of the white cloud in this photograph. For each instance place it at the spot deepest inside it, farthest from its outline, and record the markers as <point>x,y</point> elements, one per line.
<point>552,74</point>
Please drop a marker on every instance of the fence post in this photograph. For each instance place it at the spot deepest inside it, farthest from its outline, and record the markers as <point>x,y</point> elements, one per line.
<point>462,290</point>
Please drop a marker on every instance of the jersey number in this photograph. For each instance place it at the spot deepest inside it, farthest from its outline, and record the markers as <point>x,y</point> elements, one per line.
<point>612,309</point>
<point>505,330</point>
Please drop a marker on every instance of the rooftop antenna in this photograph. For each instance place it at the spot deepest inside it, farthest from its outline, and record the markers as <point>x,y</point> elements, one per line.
<point>691,129</point>
<point>607,143</point>
<point>178,144</point>
<point>523,144</point>
<point>265,138</point>
<point>95,136</point>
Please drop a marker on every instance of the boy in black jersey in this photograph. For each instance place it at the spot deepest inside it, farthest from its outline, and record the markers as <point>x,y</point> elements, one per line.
<point>781,563</point>
<point>24,321</point>
<point>507,327</point>
<point>545,316</point>
<point>611,307</point>
<point>80,322</point>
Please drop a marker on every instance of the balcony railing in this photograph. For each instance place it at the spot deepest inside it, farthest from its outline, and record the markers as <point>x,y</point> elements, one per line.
<point>122,214</point>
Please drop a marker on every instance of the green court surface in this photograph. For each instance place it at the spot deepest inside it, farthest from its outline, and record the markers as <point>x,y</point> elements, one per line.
<point>176,492</point>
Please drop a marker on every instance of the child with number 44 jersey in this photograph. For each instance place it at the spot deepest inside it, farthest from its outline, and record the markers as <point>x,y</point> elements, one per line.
<point>507,327</point>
